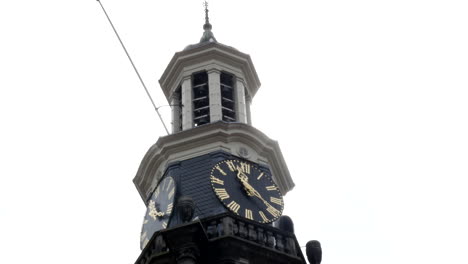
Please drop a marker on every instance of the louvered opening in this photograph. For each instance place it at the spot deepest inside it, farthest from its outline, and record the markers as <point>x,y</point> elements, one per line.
<point>227,97</point>
<point>201,103</point>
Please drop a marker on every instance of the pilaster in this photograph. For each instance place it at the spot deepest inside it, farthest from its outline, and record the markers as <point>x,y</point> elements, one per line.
<point>176,112</point>
<point>187,110</point>
<point>248,101</point>
<point>214,85</point>
<point>241,111</point>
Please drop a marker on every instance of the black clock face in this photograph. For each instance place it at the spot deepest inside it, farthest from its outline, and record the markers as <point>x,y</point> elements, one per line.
<point>159,210</point>
<point>246,190</point>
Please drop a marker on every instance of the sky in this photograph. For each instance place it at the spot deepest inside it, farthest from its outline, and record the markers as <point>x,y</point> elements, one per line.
<point>367,99</point>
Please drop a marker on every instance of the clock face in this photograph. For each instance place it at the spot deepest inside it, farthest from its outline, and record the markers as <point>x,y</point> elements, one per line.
<point>159,210</point>
<point>246,190</point>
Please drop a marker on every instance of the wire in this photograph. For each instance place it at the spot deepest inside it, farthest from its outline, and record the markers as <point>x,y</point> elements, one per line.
<point>136,71</point>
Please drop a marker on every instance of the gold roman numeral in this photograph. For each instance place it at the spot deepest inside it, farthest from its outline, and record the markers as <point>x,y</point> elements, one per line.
<point>263,216</point>
<point>273,211</point>
<point>171,193</point>
<point>248,214</point>
<point>152,210</point>
<point>164,224</point>
<point>145,242</point>
<point>221,192</point>
<point>169,208</point>
<point>231,166</point>
<point>245,167</point>
<point>156,193</point>
<point>277,201</point>
<point>216,180</point>
<point>260,176</point>
<point>220,170</point>
<point>143,236</point>
<point>168,185</point>
<point>234,206</point>
<point>271,188</point>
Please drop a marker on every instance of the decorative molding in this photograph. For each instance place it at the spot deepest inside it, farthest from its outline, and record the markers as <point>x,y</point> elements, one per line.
<point>206,57</point>
<point>228,137</point>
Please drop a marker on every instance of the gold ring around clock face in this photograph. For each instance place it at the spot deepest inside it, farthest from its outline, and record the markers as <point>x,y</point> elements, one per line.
<point>159,210</point>
<point>246,190</point>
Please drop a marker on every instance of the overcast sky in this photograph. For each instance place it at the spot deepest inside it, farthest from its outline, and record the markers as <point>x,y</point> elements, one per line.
<point>367,99</point>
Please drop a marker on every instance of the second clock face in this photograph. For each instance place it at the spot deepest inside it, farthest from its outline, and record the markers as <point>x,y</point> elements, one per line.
<point>159,210</point>
<point>246,190</point>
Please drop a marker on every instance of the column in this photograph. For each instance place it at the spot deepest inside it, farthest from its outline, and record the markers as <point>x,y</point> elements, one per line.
<point>176,111</point>
<point>241,110</point>
<point>214,86</point>
<point>187,109</point>
<point>248,101</point>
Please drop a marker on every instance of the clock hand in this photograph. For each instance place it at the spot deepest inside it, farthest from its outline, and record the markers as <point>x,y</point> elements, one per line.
<point>244,180</point>
<point>258,195</point>
<point>255,193</point>
<point>269,208</point>
<point>160,213</point>
<point>252,192</point>
<point>155,214</point>
<point>153,211</point>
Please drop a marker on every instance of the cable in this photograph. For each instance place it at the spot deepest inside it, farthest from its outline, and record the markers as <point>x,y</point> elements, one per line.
<point>139,77</point>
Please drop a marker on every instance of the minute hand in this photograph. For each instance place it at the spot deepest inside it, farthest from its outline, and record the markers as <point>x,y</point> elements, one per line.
<point>254,192</point>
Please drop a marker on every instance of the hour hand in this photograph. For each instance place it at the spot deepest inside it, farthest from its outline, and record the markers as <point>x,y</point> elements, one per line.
<point>244,180</point>
<point>160,213</point>
<point>153,212</point>
<point>255,193</point>
<point>241,175</point>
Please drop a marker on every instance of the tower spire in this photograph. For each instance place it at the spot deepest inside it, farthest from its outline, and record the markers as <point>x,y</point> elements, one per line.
<point>207,18</point>
<point>207,35</point>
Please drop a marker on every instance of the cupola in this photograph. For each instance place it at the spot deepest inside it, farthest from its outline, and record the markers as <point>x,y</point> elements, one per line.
<point>209,82</point>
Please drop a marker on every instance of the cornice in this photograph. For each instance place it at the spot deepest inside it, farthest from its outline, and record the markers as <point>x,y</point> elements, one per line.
<point>209,53</point>
<point>206,139</point>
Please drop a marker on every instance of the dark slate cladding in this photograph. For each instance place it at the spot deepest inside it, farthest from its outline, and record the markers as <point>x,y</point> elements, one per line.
<point>192,179</point>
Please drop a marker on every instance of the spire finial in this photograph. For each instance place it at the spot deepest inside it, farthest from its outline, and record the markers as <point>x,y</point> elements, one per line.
<point>207,18</point>
<point>207,35</point>
<point>207,25</point>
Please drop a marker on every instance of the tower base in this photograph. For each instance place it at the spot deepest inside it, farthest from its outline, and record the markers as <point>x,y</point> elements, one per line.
<point>224,238</point>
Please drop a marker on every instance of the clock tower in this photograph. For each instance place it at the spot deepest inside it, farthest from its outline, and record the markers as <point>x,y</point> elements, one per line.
<point>214,187</point>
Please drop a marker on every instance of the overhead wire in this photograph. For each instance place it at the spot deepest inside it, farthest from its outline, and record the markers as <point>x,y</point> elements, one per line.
<point>134,67</point>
